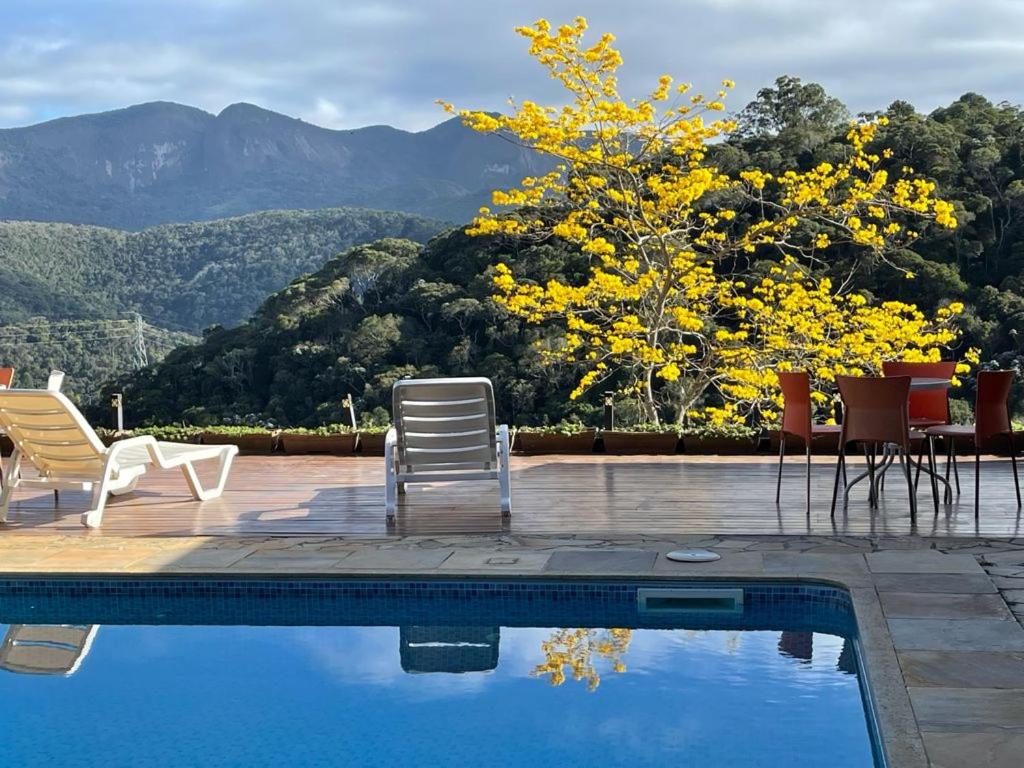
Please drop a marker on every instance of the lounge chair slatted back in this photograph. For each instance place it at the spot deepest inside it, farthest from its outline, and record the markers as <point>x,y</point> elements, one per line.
<point>43,649</point>
<point>445,430</point>
<point>442,424</point>
<point>49,433</point>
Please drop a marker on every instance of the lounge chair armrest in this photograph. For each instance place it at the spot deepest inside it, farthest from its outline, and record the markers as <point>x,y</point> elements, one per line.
<point>390,440</point>
<point>142,441</point>
<point>146,441</point>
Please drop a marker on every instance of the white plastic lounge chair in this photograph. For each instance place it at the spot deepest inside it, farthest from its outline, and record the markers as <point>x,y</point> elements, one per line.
<point>49,433</point>
<point>444,430</point>
<point>42,649</point>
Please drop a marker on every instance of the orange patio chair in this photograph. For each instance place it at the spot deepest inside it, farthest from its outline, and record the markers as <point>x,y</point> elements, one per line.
<point>797,421</point>
<point>991,421</point>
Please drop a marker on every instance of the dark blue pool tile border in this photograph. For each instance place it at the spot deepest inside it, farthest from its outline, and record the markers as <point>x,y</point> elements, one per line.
<point>768,605</point>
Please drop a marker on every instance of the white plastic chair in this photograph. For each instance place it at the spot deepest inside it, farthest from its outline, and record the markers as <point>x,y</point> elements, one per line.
<point>49,433</point>
<point>444,430</point>
<point>44,649</point>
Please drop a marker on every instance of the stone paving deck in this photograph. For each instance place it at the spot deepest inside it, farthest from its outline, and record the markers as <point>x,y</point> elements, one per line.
<point>944,648</point>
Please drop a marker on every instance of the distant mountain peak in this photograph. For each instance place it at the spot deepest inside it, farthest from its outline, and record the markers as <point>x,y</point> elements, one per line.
<point>163,162</point>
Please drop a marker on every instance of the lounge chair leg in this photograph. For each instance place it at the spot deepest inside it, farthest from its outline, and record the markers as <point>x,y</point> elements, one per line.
<point>94,516</point>
<point>10,483</point>
<point>390,477</point>
<point>782,456</point>
<point>504,471</point>
<point>956,469</point>
<point>223,469</point>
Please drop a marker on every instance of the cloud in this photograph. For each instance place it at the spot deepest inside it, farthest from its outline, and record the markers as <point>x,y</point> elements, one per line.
<point>346,63</point>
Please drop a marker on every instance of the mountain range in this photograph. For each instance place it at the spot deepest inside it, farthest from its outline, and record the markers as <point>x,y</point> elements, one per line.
<point>162,162</point>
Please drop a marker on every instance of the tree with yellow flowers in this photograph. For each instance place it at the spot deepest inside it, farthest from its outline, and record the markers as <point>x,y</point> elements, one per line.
<point>659,313</point>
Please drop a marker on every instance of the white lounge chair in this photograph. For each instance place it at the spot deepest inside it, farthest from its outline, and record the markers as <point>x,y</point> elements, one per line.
<point>444,430</point>
<point>43,649</point>
<point>49,433</point>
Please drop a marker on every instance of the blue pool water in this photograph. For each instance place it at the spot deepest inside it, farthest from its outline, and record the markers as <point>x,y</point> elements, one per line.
<point>364,673</point>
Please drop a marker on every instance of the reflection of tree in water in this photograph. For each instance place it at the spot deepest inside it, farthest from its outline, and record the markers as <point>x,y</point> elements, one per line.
<point>576,652</point>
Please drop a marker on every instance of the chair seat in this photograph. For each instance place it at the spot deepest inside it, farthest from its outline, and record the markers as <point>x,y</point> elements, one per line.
<point>964,431</point>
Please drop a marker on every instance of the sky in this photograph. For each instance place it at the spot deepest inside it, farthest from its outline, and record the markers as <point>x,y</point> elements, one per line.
<point>345,64</point>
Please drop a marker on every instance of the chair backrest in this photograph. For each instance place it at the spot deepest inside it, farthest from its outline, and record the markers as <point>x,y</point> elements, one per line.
<point>875,408</point>
<point>931,404</point>
<point>43,649</point>
<point>445,424</point>
<point>49,432</point>
<point>6,378</point>
<point>796,403</point>
<point>991,405</point>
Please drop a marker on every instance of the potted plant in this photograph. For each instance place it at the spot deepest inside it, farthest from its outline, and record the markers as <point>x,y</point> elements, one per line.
<point>110,436</point>
<point>329,438</point>
<point>720,439</point>
<point>249,439</point>
<point>371,440</point>
<point>564,437</point>
<point>173,433</point>
<point>642,439</point>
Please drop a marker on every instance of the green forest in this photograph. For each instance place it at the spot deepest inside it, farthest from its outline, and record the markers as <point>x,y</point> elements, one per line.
<point>178,276</point>
<point>68,293</point>
<point>392,309</point>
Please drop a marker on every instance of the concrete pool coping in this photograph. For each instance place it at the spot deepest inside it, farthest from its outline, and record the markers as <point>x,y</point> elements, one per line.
<point>943,652</point>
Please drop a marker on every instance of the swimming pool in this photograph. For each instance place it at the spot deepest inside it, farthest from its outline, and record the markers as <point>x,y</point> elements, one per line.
<point>430,673</point>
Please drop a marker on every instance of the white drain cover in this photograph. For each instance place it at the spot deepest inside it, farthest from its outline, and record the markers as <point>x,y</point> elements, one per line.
<point>693,556</point>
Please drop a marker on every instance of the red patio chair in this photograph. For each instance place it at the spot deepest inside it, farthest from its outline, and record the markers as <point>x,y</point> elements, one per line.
<point>991,421</point>
<point>928,407</point>
<point>875,412</point>
<point>796,421</point>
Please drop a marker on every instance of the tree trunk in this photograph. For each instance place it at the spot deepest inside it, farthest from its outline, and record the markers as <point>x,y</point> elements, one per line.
<point>650,407</point>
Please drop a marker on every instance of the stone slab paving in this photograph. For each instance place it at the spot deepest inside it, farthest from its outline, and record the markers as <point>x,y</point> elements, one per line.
<point>939,618</point>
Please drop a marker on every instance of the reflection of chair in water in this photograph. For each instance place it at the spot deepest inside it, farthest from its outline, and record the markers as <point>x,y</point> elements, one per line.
<point>40,649</point>
<point>847,661</point>
<point>448,649</point>
<point>798,645</point>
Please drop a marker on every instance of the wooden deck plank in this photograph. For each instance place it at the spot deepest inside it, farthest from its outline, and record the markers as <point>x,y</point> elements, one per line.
<point>323,495</point>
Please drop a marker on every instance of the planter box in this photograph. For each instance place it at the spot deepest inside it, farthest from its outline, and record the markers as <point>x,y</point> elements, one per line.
<point>553,442</point>
<point>720,446</point>
<point>340,443</point>
<point>256,443</point>
<point>372,444</point>
<point>639,442</point>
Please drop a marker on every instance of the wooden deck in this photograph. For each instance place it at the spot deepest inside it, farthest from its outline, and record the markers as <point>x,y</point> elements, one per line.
<point>314,495</point>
